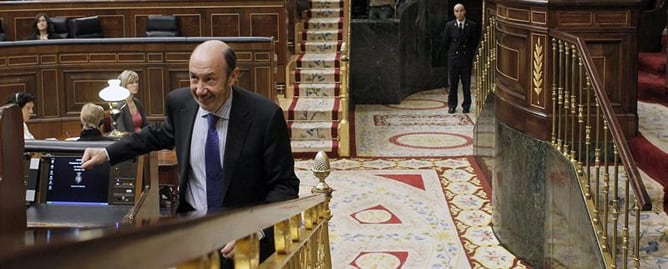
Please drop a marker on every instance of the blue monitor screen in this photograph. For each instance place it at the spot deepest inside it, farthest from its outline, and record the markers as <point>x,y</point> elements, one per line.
<point>68,183</point>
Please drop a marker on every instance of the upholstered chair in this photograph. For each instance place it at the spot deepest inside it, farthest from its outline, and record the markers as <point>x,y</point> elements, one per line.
<point>86,27</point>
<point>162,26</point>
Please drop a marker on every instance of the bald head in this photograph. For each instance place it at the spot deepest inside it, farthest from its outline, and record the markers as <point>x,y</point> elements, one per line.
<point>460,12</point>
<point>218,50</point>
<point>212,73</point>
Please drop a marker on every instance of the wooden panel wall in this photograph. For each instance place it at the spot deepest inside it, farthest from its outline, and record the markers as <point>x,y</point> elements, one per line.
<point>523,39</point>
<point>123,18</point>
<point>63,76</point>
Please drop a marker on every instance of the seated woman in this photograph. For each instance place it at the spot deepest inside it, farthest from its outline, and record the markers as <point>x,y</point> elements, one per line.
<point>26,102</point>
<point>42,28</point>
<point>132,117</point>
<point>91,120</point>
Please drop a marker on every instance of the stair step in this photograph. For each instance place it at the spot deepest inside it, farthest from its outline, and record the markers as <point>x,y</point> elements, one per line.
<point>305,146</point>
<point>325,13</point>
<point>314,109</point>
<point>318,76</point>
<point>320,46</point>
<point>324,23</point>
<point>315,90</point>
<point>652,88</point>
<point>322,35</point>
<point>652,62</point>
<point>326,4</point>
<point>319,60</point>
<point>305,130</point>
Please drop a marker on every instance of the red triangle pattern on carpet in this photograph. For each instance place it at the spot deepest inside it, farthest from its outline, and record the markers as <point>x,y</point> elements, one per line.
<point>412,180</point>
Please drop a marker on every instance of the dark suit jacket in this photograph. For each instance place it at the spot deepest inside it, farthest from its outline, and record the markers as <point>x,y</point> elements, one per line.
<point>258,165</point>
<point>461,47</point>
<point>124,122</point>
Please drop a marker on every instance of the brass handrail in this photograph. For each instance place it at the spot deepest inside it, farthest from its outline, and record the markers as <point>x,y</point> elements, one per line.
<point>584,116</point>
<point>300,233</point>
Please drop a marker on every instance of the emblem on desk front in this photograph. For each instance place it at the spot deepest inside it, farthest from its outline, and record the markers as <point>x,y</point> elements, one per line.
<point>78,178</point>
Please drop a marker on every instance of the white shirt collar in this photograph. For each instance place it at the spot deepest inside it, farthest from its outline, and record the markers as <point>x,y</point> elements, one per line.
<point>223,112</point>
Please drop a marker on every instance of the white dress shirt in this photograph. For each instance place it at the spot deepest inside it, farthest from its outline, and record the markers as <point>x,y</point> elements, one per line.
<point>196,193</point>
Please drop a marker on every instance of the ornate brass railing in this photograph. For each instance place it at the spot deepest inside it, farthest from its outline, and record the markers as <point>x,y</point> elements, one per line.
<point>485,64</point>
<point>300,234</point>
<point>585,130</point>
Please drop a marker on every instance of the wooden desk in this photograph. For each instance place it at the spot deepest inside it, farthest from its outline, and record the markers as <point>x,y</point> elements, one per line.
<point>168,168</point>
<point>127,18</point>
<point>64,74</point>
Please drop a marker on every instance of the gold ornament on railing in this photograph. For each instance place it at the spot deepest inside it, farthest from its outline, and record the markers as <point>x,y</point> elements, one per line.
<point>321,171</point>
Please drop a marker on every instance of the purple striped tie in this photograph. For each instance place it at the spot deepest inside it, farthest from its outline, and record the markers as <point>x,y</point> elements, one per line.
<point>214,172</point>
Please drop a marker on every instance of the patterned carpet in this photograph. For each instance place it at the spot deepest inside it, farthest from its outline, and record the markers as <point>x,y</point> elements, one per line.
<point>416,202</point>
<point>418,127</point>
<point>412,197</point>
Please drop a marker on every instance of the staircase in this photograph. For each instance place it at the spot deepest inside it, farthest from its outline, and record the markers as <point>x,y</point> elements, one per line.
<point>315,101</point>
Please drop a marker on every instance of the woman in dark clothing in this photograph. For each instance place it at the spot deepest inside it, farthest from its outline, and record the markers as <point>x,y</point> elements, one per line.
<point>132,117</point>
<point>42,28</point>
<point>91,119</point>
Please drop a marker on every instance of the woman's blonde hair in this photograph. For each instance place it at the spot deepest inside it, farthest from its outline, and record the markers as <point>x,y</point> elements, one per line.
<point>91,115</point>
<point>128,77</point>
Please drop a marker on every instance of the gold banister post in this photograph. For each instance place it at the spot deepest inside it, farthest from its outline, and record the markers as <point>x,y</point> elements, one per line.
<point>321,170</point>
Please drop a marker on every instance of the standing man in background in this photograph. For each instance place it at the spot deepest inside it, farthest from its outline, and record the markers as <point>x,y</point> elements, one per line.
<point>460,37</point>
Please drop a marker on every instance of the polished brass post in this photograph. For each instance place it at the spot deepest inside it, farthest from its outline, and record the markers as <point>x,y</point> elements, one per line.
<point>615,203</point>
<point>587,168</point>
<point>573,106</point>
<point>588,93</point>
<point>606,186</point>
<point>554,92</point>
<point>597,162</point>
<point>581,151</point>
<point>560,97</point>
<point>567,101</point>
<point>636,249</point>
<point>321,170</point>
<point>247,252</point>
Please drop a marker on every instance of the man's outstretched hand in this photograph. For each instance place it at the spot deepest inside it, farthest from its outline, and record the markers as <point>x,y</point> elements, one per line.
<point>92,157</point>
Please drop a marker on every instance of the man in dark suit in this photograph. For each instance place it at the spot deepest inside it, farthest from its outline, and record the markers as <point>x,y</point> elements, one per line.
<point>253,155</point>
<point>460,38</point>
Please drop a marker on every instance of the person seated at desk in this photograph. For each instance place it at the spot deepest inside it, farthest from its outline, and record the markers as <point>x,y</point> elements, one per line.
<point>26,102</point>
<point>91,119</point>
<point>381,9</point>
<point>132,117</point>
<point>42,28</point>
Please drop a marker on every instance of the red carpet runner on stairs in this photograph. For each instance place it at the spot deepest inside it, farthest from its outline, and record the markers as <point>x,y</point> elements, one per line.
<point>652,89</point>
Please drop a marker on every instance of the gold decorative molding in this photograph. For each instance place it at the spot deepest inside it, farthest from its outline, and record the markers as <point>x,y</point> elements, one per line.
<point>538,68</point>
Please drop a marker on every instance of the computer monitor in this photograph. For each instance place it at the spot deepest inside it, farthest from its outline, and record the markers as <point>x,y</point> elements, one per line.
<point>63,181</point>
<point>68,183</point>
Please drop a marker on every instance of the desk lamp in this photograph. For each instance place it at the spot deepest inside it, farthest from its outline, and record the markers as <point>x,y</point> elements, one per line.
<point>114,94</point>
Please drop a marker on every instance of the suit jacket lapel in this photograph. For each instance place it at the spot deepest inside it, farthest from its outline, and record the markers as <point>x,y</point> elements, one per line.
<point>237,131</point>
<point>186,123</point>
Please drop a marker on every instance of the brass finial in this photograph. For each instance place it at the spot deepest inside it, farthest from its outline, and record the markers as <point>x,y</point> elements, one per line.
<point>321,171</point>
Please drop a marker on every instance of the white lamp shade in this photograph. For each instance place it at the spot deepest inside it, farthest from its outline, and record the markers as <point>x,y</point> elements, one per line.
<point>114,92</point>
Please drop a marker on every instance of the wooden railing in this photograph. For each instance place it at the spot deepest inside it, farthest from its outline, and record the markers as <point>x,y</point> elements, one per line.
<point>300,234</point>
